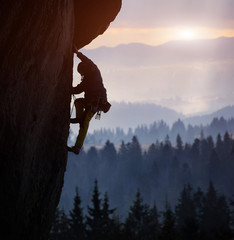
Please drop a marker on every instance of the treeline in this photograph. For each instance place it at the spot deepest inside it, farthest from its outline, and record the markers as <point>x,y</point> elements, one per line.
<point>197,215</point>
<point>159,171</point>
<point>158,131</point>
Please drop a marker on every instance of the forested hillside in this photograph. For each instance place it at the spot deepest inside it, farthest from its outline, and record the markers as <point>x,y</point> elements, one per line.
<point>197,215</point>
<point>159,172</point>
<point>148,134</point>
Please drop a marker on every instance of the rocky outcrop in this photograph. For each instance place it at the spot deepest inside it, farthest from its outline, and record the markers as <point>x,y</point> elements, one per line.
<point>93,19</point>
<point>36,62</point>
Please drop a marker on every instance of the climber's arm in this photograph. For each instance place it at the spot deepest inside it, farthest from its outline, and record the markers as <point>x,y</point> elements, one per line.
<point>78,89</point>
<point>84,59</point>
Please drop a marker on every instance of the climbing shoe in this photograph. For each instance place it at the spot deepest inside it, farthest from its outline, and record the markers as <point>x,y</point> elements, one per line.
<point>75,120</point>
<point>73,149</point>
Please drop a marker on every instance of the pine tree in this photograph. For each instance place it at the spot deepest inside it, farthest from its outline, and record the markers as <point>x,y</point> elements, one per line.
<point>60,228</point>
<point>163,130</point>
<point>108,153</point>
<point>108,224</point>
<point>232,215</point>
<point>122,154</point>
<point>232,151</point>
<point>219,145</point>
<point>227,142</point>
<point>179,144</point>
<point>214,167</point>
<point>210,143</point>
<point>209,220</point>
<point>185,177</point>
<point>94,218</point>
<point>168,230</point>
<point>195,159</point>
<point>135,149</point>
<point>190,133</point>
<point>136,222</point>
<point>195,150</point>
<point>174,178</point>
<point>117,229</point>
<point>177,128</point>
<point>151,153</point>
<point>64,231</point>
<point>54,232</point>
<point>215,217</point>
<point>186,215</point>
<point>167,155</point>
<point>77,226</point>
<point>134,162</point>
<point>153,224</point>
<point>223,230</point>
<point>198,199</point>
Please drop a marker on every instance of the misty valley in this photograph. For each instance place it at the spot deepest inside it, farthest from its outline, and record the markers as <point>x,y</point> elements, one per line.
<point>179,162</point>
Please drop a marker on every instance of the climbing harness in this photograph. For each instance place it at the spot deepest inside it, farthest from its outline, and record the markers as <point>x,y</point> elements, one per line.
<point>98,113</point>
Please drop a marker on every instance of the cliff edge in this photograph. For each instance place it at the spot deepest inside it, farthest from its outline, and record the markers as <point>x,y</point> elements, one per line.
<point>36,64</point>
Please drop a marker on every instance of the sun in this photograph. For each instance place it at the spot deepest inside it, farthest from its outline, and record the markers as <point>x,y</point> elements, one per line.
<point>187,34</point>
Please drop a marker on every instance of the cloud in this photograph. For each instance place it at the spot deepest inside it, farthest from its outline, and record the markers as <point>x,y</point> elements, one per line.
<point>164,13</point>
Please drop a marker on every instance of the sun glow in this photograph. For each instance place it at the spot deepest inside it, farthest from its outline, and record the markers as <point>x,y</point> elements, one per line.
<point>187,34</point>
<point>156,36</point>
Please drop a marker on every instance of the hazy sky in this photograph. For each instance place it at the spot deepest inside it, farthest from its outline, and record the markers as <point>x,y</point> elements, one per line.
<point>156,22</point>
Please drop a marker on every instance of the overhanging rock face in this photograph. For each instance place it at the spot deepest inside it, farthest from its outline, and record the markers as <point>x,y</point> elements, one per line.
<point>36,43</point>
<point>92,18</point>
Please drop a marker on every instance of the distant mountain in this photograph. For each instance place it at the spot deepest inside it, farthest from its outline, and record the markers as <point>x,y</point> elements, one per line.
<point>226,113</point>
<point>137,54</point>
<point>136,71</point>
<point>131,115</point>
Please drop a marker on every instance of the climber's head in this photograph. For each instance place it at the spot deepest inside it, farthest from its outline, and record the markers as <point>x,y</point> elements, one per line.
<point>82,68</point>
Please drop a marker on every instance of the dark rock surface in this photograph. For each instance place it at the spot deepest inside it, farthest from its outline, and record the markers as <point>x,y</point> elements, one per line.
<point>92,18</point>
<point>36,64</point>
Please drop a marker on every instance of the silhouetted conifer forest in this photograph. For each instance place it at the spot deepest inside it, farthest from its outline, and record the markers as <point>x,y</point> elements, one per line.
<point>197,215</point>
<point>158,131</point>
<point>181,190</point>
<point>159,172</point>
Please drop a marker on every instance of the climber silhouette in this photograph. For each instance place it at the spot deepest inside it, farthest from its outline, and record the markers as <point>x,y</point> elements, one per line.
<point>94,101</point>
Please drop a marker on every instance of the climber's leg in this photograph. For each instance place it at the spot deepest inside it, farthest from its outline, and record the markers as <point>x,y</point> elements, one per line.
<point>80,107</point>
<point>84,128</point>
<point>84,125</point>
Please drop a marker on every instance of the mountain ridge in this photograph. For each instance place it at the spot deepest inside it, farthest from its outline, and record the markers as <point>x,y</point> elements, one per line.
<point>137,44</point>
<point>179,51</point>
<point>225,112</point>
<point>132,115</point>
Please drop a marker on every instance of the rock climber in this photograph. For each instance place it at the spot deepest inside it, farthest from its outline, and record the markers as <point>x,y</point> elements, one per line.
<point>94,101</point>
